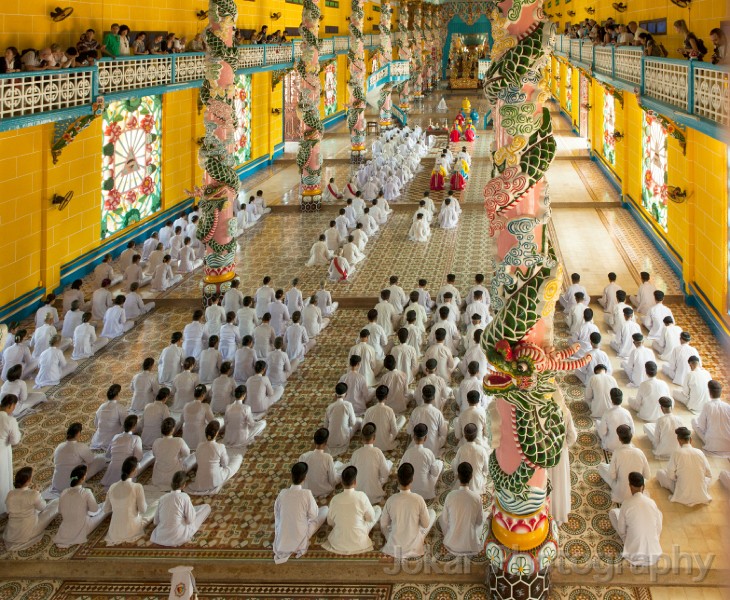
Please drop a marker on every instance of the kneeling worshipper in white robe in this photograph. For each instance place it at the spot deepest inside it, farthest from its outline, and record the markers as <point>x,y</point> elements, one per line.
<point>171,454</point>
<point>241,427</point>
<point>171,360</point>
<point>419,231</point>
<point>432,417</point>
<point>340,421</point>
<point>67,456</point>
<point>351,253</point>
<point>474,453</point>
<point>635,364</point>
<point>598,357</point>
<point>194,336</point>
<point>598,390</point>
<point>626,459</point>
<point>183,386</point>
<point>19,354</point>
<point>352,518</point>
<point>638,523</point>
<point>278,365</point>
<point>163,278</point>
<point>195,418</point>
<point>221,392</point>
<point>339,270</point>
<point>559,475</point>
<point>448,215</point>
<point>261,394</point>
<point>324,472</point>
<point>215,467</point>
<point>123,445</point>
<point>688,473</point>
<point>115,319</point>
<point>677,365</point>
<point>386,424</point>
<point>320,254</point>
<point>646,401</point>
<point>406,520</point>
<point>109,419</point>
<point>331,192</point>
<point>616,415</point>
<point>427,468</point>
<point>85,341</point>
<point>668,339</point>
<point>694,393</point>
<point>661,434</point>
<point>152,417</point>
<point>462,518</point>
<point>71,320</point>
<point>130,512</point>
<point>296,517</point>
<point>53,366</point>
<point>79,510</point>
<point>297,340</point>
<point>176,519</point>
<point>28,513</point>
<point>712,425</point>
<point>17,387</point>
<point>625,329</point>
<point>101,299</point>
<point>654,320</point>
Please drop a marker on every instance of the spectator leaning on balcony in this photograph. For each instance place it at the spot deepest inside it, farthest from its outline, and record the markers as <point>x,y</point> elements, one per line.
<point>139,46</point>
<point>198,44</point>
<point>124,40</point>
<point>110,47</point>
<point>179,44</point>
<point>155,46</point>
<point>694,47</point>
<point>168,45</point>
<point>610,33</point>
<point>636,31</point>
<point>651,46</point>
<point>260,37</point>
<point>625,37</point>
<point>719,43</point>
<point>11,62</point>
<point>88,48</point>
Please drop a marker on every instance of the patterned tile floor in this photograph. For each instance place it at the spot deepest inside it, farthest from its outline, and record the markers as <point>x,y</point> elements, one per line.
<point>241,523</point>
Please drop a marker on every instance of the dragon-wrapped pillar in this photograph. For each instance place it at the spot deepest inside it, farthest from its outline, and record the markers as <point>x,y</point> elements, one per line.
<point>523,539</point>
<point>416,50</point>
<point>220,181</point>
<point>404,53</point>
<point>386,46</point>
<point>427,46</point>
<point>356,86</point>
<point>309,159</point>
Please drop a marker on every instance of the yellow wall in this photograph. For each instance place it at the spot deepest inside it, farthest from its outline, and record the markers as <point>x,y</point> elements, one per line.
<point>703,16</point>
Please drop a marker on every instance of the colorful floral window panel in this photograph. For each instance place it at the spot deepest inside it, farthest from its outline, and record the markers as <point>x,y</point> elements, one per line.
<point>609,127</point>
<point>654,166</point>
<point>242,105</point>
<point>569,91</point>
<point>131,186</point>
<point>330,89</point>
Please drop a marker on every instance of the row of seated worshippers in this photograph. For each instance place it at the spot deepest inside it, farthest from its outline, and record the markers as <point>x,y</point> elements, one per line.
<point>404,519</point>
<point>458,167</point>
<point>176,398</point>
<point>687,474</point>
<point>249,212</point>
<point>447,217</point>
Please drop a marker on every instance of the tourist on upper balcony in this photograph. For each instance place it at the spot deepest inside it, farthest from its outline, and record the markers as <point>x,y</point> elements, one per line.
<point>625,37</point>
<point>155,47</point>
<point>282,38</point>
<point>636,31</point>
<point>274,38</point>
<point>124,40</point>
<point>168,45</point>
<point>719,43</point>
<point>694,48</point>
<point>69,59</point>
<point>48,60</point>
<point>610,33</point>
<point>260,37</point>
<point>139,46</point>
<point>111,45</point>
<point>179,44</point>
<point>198,44</point>
<point>88,48</point>
<point>651,46</point>
<point>11,62</point>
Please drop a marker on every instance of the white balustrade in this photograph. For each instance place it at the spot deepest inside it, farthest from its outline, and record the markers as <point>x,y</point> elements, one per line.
<point>297,49</point>
<point>276,54</point>
<point>712,93</point>
<point>628,63</point>
<point>603,60</point>
<point>118,75</point>
<point>483,67</point>
<point>32,93</point>
<point>341,43</point>
<point>189,67</point>
<point>250,56</point>
<point>400,68</point>
<point>326,47</point>
<point>667,81</point>
<point>575,49</point>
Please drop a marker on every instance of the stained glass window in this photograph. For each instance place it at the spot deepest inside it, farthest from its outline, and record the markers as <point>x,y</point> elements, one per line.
<point>654,167</point>
<point>609,127</point>
<point>242,105</point>
<point>131,161</point>
<point>569,91</point>
<point>330,89</point>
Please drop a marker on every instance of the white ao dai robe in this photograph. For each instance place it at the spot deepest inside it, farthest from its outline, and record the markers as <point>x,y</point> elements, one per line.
<point>126,501</point>
<point>80,514</point>
<point>461,522</point>
<point>177,520</point>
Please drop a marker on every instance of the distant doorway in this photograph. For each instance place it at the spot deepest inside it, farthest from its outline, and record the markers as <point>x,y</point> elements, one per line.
<point>292,124</point>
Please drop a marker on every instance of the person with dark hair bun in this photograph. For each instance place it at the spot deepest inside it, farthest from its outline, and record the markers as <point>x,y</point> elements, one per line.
<point>68,456</point>
<point>16,386</point>
<point>195,417</point>
<point>176,519</point>
<point>144,387</point>
<point>214,465</point>
<point>126,501</point>
<point>124,445</point>
<point>109,420</point>
<point>171,454</point>
<point>171,360</point>
<point>80,513</point>
<point>28,513</point>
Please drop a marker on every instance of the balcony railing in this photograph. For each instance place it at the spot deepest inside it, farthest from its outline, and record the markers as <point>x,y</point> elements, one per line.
<point>697,88</point>
<point>483,68</point>
<point>24,94</point>
<point>130,73</point>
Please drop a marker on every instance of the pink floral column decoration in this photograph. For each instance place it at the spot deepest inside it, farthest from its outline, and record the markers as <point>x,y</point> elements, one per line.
<point>356,86</point>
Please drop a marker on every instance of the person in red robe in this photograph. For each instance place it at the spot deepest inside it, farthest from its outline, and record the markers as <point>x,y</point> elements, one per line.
<point>455,136</point>
<point>470,134</point>
<point>438,177</point>
<point>457,181</point>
